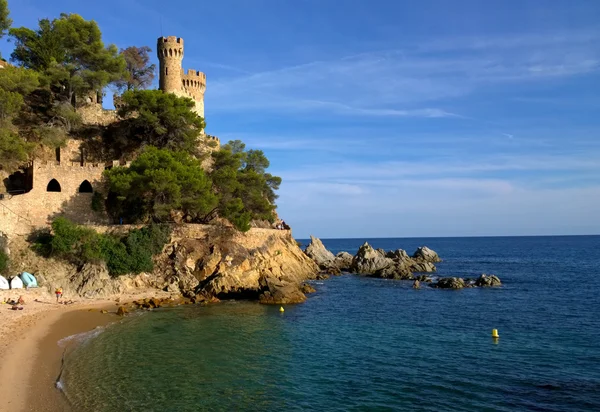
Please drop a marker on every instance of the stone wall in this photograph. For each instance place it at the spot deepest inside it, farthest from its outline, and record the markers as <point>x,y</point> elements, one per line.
<point>19,214</point>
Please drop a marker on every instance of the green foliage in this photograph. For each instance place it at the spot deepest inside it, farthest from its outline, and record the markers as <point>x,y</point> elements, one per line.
<point>3,261</point>
<point>76,244</point>
<point>246,191</point>
<point>5,20</point>
<point>158,183</point>
<point>14,151</point>
<point>70,54</point>
<point>15,84</point>
<point>98,202</point>
<point>160,119</point>
<point>139,73</point>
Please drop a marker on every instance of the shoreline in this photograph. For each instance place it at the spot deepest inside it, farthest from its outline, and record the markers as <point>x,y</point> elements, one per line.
<point>31,357</point>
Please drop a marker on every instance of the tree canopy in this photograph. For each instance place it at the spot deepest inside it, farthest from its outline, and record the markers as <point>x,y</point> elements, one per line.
<point>159,119</point>
<point>139,73</point>
<point>245,191</point>
<point>5,20</point>
<point>159,183</point>
<point>70,54</point>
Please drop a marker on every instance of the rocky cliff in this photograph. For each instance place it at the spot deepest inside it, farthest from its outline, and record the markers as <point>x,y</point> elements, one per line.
<point>199,262</point>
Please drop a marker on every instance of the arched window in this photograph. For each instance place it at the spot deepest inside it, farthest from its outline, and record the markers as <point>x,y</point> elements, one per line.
<point>170,52</point>
<point>86,187</point>
<point>53,186</point>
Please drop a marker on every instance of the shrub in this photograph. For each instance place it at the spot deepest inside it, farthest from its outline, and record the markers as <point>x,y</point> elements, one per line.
<point>131,253</point>
<point>98,202</point>
<point>3,261</point>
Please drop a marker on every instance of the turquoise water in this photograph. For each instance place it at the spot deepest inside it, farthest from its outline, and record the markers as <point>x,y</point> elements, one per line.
<point>371,344</point>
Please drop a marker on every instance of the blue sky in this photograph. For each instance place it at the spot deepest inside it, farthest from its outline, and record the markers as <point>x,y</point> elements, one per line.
<point>394,118</point>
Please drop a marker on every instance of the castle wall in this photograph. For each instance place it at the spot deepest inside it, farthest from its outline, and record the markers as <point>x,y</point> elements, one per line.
<point>20,214</point>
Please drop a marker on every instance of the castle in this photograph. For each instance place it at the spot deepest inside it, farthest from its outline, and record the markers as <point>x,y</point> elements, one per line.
<point>43,190</point>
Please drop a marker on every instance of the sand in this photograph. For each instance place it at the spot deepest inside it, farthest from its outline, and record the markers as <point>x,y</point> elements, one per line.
<point>30,356</point>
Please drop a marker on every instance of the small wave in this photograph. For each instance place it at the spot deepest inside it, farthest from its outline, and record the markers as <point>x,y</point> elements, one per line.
<point>81,337</point>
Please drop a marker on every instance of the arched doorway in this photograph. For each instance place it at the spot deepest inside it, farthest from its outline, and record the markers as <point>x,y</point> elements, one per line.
<point>86,187</point>
<point>53,186</point>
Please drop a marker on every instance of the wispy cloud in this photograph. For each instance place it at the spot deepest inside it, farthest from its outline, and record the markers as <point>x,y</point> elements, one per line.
<point>413,82</point>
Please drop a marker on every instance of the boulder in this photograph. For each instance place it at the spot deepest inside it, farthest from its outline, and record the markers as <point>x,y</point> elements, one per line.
<point>450,283</point>
<point>395,271</point>
<point>368,261</point>
<point>488,281</point>
<point>343,261</point>
<point>279,293</point>
<point>416,284</point>
<point>398,254</point>
<point>319,253</point>
<point>421,266</point>
<point>93,281</point>
<point>121,311</point>
<point>306,289</point>
<point>426,255</point>
<point>333,270</point>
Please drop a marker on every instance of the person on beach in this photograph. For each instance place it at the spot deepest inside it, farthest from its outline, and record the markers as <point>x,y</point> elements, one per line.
<point>58,293</point>
<point>21,301</point>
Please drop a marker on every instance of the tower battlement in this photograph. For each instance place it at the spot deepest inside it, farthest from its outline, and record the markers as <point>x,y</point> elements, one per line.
<point>173,79</point>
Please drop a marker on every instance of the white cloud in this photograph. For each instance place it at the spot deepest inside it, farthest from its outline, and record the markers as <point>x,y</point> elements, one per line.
<point>412,82</point>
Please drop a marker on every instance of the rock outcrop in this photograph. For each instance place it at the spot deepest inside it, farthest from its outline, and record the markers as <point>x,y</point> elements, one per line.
<point>424,254</point>
<point>450,283</point>
<point>317,251</point>
<point>488,281</point>
<point>261,264</point>
<point>369,261</point>
<point>343,261</point>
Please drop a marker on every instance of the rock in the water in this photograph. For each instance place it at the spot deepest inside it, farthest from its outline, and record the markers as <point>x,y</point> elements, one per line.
<point>333,270</point>
<point>421,266</point>
<point>395,271</point>
<point>317,251</point>
<point>450,283</point>
<point>426,255</point>
<point>398,254</point>
<point>279,293</point>
<point>306,288</point>
<point>343,260</point>
<point>416,284</point>
<point>121,311</point>
<point>488,280</point>
<point>368,261</point>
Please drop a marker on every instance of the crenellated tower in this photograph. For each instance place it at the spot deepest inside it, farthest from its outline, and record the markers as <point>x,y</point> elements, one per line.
<point>173,79</point>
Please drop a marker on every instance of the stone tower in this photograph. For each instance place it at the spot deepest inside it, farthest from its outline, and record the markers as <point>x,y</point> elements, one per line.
<point>172,78</point>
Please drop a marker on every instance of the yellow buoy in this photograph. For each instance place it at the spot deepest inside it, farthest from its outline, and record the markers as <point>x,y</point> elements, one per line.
<point>281,309</point>
<point>495,333</point>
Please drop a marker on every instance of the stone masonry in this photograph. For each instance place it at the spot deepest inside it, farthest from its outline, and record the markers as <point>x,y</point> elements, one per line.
<point>65,186</point>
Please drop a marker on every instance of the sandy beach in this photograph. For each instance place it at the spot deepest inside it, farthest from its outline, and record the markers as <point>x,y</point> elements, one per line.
<point>29,351</point>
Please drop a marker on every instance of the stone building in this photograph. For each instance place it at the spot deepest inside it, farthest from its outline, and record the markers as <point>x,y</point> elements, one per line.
<point>42,190</point>
<point>173,79</point>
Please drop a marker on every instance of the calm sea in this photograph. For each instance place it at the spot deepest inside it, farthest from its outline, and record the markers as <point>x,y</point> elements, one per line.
<point>363,344</point>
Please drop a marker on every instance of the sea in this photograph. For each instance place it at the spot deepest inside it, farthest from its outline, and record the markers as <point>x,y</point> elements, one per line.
<point>365,344</point>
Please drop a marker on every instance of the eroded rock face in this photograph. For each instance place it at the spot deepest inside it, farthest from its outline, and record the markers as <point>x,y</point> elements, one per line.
<point>281,293</point>
<point>426,255</point>
<point>229,264</point>
<point>450,283</point>
<point>317,251</point>
<point>368,261</point>
<point>488,281</point>
<point>343,261</point>
<point>93,281</point>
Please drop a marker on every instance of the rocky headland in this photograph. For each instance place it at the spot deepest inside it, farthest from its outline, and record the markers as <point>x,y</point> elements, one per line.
<point>393,264</point>
<point>200,263</point>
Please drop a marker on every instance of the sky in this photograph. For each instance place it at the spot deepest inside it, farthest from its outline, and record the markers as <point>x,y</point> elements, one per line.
<point>390,118</point>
